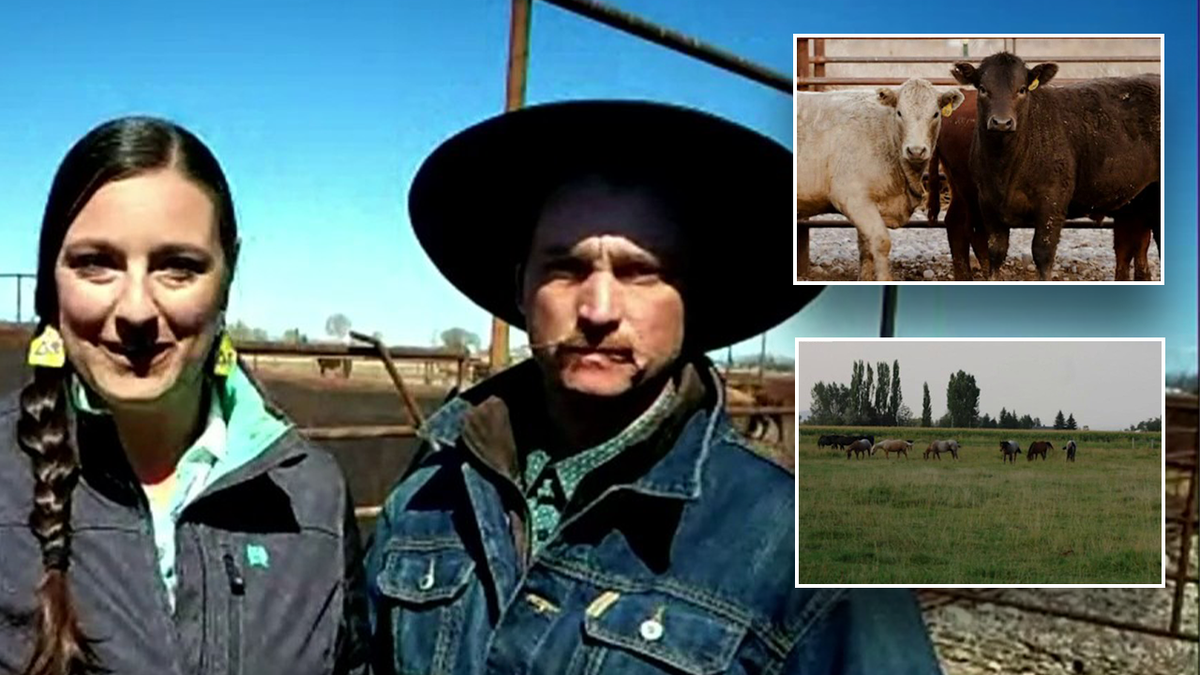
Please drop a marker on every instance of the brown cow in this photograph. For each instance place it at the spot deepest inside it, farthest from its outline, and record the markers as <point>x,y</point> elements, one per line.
<point>1038,448</point>
<point>334,363</point>
<point>1043,154</point>
<point>964,225</point>
<point>952,154</point>
<point>890,446</point>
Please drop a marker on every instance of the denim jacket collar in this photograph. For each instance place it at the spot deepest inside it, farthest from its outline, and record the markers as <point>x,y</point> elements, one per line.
<point>481,414</point>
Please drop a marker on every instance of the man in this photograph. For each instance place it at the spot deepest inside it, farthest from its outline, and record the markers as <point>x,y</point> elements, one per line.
<point>592,510</point>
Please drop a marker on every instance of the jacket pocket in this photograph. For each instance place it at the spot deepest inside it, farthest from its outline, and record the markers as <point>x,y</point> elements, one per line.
<point>655,632</point>
<point>416,573</point>
<point>423,583</point>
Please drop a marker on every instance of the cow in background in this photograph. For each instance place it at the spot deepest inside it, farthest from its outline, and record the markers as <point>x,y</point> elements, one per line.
<point>862,153</point>
<point>952,158</point>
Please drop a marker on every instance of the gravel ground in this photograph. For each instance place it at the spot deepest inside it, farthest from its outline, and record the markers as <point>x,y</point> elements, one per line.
<point>924,255</point>
<point>978,639</point>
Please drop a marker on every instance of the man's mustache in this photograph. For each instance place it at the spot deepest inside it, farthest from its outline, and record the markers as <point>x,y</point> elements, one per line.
<point>618,344</point>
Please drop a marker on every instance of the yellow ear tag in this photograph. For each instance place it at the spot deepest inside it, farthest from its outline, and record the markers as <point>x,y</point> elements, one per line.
<point>947,109</point>
<point>46,350</point>
<point>226,356</point>
<point>1033,85</point>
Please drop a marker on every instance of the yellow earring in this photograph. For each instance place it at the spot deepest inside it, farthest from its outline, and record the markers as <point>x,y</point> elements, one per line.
<point>46,350</point>
<point>226,356</point>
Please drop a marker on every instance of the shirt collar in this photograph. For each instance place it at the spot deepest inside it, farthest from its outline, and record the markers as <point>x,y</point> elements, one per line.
<point>210,445</point>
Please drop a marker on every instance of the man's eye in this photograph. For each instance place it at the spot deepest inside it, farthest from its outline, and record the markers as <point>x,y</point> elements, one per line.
<point>567,267</point>
<point>639,273</point>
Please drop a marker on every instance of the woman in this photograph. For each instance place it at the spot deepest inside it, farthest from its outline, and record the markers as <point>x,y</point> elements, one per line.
<point>156,516</point>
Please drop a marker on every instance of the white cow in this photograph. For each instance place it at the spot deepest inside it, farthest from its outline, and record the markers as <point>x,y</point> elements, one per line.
<point>862,153</point>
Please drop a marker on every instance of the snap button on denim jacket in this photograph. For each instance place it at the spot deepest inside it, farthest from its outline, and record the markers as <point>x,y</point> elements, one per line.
<point>689,568</point>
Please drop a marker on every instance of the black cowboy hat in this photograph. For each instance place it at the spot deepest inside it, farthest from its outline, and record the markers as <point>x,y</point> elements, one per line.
<point>475,200</point>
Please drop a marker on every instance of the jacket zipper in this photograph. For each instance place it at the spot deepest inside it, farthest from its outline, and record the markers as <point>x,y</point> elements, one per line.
<point>237,591</point>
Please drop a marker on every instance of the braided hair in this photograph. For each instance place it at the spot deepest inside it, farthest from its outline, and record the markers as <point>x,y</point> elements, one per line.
<point>115,150</point>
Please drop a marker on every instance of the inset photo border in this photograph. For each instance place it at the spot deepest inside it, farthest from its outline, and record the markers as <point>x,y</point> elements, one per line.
<point>949,463</point>
<point>894,182</point>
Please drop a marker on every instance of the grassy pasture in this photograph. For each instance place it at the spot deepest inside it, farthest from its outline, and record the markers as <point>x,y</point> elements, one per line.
<point>979,520</point>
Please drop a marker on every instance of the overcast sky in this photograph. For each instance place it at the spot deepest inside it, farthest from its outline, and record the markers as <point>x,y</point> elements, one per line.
<point>1107,385</point>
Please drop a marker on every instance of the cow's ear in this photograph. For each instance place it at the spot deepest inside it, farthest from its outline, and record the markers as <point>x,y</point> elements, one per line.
<point>965,73</point>
<point>1041,73</point>
<point>887,96</point>
<point>951,98</point>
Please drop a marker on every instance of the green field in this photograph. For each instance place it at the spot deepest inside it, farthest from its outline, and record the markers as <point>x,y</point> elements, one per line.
<point>978,520</point>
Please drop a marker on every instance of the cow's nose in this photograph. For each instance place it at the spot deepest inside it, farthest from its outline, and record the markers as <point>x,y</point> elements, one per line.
<point>916,153</point>
<point>1001,123</point>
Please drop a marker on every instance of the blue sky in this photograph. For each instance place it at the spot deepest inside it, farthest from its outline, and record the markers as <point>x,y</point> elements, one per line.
<point>321,112</point>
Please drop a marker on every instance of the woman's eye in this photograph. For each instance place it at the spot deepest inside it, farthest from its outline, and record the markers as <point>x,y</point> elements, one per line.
<point>90,263</point>
<point>183,268</point>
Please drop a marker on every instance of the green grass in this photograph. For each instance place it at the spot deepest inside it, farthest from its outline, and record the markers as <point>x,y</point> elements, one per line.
<point>978,520</point>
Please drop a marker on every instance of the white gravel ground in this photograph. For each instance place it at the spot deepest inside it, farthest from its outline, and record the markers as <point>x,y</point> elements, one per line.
<point>978,639</point>
<point>924,255</point>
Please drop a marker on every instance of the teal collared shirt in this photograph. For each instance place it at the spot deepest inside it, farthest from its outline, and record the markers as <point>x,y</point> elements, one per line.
<point>239,428</point>
<point>549,486</point>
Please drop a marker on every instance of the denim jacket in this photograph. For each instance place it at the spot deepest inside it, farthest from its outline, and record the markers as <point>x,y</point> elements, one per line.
<point>681,564</point>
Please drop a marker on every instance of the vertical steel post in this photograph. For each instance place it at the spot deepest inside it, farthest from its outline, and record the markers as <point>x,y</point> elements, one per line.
<point>819,66</point>
<point>887,327</point>
<point>802,233</point>
<point>514,98</point>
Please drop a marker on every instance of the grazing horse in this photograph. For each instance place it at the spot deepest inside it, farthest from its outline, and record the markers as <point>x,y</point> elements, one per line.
<point>824,441</point>
<point>936,448</point>
<point>1010,450</point>
<point>1039,448</point>
<point>1070,451</point>
<point>860,448</point>
<point>890,446</point>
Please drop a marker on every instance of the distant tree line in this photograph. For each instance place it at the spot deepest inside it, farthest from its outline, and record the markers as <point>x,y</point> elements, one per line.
<point>1152,424</point>
<point>873,398</point>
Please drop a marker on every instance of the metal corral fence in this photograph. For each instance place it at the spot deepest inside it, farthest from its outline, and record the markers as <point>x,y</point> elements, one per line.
<point>813,62</point>
<point>371,348</point>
